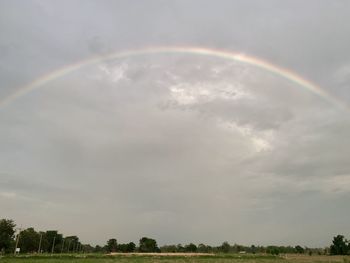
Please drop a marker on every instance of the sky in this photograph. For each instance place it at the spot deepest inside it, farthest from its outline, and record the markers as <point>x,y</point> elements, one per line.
<point>178,147</point>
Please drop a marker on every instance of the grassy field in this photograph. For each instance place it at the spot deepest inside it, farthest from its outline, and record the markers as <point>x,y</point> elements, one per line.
<point>175,259</point>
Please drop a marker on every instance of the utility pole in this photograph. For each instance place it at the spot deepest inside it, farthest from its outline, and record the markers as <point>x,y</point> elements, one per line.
<point>70,240</point>
<point>41,237</point>
<point>62,245</point>
<point>53,244</point>
<point>17,240</point>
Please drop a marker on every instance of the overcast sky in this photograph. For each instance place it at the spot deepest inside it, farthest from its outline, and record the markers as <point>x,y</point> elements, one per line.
<point>181,148</point>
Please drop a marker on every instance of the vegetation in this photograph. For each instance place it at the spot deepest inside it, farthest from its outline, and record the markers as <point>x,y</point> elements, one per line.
<point>221,258</point>
<point>148,245</point>
<point>51,242</point>
<point>112,245</point>
<point>7,231</point>
<point>340,246</point>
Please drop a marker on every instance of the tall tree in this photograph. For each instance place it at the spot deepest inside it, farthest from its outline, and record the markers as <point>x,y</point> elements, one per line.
<point>112,245</point>
<point>29,240</point>
<point>7,232</point>
<point>50,239</point>
<point>339,246</point>
<point>148,245</point>
<point>191,247</point>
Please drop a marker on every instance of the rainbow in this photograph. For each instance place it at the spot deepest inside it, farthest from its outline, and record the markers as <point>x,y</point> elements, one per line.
<point>228,55</point>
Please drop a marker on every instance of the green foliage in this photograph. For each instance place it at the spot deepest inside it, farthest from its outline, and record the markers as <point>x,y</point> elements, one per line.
<point>225,247</point>
<point>7,231</point>
<point>299,249</point>
<point>168,249</point>
<point>191,248</point>
<point>204,248</point>
<point>71,244</point>
<point>180,248</point>
<point>112,245</point>
<point>87,248</point>
<point>29,240</point>
<point>148,245</point>
<point>339,246</point>
<point>126,248</point>
<point>52,241</point>
<point>99,249</point>
<point>273,250</point>
<point>253,249</point>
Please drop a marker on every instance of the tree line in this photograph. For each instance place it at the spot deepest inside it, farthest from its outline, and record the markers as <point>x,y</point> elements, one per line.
<point>31,241</point>
<point>51,241</point>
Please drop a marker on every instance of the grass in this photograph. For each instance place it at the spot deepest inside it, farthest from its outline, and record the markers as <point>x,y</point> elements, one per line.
<point>220,258</point>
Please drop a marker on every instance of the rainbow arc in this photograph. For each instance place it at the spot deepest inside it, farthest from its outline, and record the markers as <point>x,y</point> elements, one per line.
<point>200,51</point>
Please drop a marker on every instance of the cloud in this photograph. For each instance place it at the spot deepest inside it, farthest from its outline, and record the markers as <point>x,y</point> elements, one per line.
<point>182,148</point>
<point>116,73</point>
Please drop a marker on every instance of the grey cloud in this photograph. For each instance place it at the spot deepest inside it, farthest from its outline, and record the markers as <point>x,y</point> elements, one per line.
<point>144,145</point>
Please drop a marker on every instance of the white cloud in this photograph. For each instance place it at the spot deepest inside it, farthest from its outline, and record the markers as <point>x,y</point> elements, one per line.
<point>261,144</point>
<point>260,140</point>
<point>186,93</point>
<point>115,73</point>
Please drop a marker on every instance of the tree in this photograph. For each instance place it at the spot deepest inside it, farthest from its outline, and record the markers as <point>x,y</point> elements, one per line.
<point>7,231</point>
<point>127,248</point>
<point>339,246</point>
<point>29,240</point>
<point>225,247</point>
<point>253,249</point>
<point>202,248</point>
<point>180,248</point>
<point>191,247</point>
<point>273,250</point>
<point>71,243</point>
<point>168,249</point>
<point>148,245</point>
<point>87,248</point>
<point>52,238</point>
<point>112,245</point>
<point>98,249</point>
<point>130,247</point>
<point>48,239</point>
<point>299,249</point>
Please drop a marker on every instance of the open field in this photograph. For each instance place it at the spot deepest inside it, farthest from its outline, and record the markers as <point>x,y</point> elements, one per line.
<point>171,258</point>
